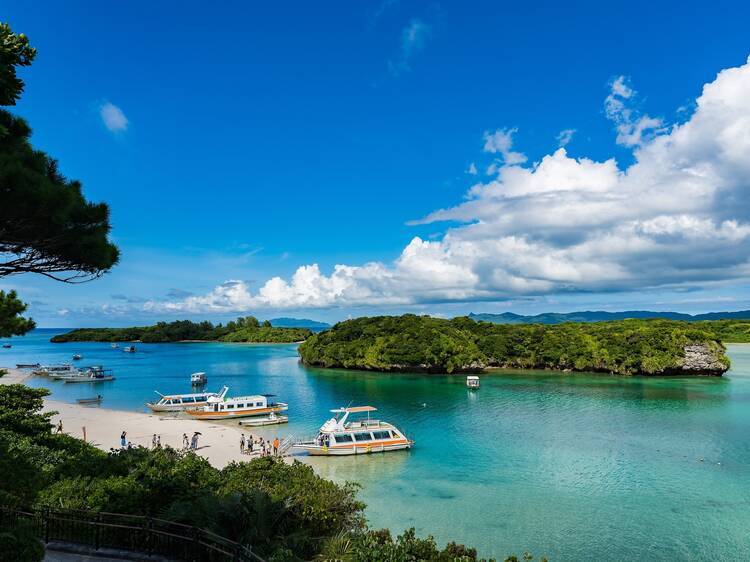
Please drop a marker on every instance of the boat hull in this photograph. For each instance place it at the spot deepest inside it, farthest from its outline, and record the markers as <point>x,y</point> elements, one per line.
<point>88,379</point>
<point>265,421</point>
<point>353,449</point>
<point>173,407</point>
<point>210,415</point>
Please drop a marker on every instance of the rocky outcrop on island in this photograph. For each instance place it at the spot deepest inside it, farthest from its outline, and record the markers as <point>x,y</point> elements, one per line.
<point>412,343</point>
<point>702,359</point>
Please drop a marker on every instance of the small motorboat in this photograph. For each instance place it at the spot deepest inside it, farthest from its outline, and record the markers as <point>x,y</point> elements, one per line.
<point>338,436</point>
<point>129,349</point>
<point>77,357</point>
<point>114,345</point>
<point>93,400</point>
<point>272,419</point>
<point>28,365</point>
<point>7,346</point>
<point>198,379</point>
<point>472,382</point>
<point>219,408</point>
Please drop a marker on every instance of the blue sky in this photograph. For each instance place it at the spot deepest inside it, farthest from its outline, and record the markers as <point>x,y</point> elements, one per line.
<point>241,142</point>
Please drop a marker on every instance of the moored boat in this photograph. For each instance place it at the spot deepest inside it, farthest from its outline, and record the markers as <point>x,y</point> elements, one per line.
<point>219,408</point>
<point>129,349</point>
<point>88,377</point>
<point>93,400</point>
<point>339,436</point>
<point>180,402</point>
<point>272,419</point>
<point>77,357</point>
<point>198,379</point>
<point>114,345</point>
<point>28,365</point>
<point>53,369</point>
<point>472,381</point>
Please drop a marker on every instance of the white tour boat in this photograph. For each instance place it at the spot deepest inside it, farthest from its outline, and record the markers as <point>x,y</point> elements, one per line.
<point>472,381</point>
<point>114,345</point>
<point>65,368</point>
<point>182,402</point>
<point>338,436</point>
<point>129,349</point>
<point>220,408</point>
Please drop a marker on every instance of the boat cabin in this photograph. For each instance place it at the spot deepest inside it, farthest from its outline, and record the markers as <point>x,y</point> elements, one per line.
<point>472,381</point>
<point>197,379</point>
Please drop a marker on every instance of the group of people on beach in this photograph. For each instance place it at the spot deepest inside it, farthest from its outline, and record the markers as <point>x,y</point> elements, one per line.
<point>191,444</point>
<point>187,444</point>
<point>264,447</point>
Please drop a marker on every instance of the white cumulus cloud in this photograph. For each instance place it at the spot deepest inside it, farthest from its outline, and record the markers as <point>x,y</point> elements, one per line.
<point>677,216</point>
<point>113,117</point>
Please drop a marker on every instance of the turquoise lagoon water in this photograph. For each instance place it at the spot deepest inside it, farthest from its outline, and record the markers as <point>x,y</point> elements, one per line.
<point>575,467</point>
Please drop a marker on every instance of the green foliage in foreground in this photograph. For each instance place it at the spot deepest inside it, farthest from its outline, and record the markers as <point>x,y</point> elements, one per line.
<point>285,512</point>
<point>247,330</point>
<point>409,342</point>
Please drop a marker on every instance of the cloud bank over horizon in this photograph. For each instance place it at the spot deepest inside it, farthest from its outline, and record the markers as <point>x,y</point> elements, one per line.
<point>678,216</point>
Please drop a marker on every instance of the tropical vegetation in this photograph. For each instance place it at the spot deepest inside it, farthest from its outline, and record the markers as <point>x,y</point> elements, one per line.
<point>46,224</point>
<point>423,343</point>
<point>284,511</point>
<point>247,330</point>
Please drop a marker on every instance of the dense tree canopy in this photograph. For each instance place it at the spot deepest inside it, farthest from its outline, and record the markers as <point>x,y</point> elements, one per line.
<point>422,343</point>
<point>14,51</point>
<point>46,224</point>
<point>242,330</point>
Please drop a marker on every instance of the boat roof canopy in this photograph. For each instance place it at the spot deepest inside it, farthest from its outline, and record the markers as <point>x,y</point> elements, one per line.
<point>354,410</point>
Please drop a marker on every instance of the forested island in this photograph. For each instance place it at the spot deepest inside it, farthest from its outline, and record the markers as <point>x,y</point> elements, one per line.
<point>243,330</point>
<point>436,345</point>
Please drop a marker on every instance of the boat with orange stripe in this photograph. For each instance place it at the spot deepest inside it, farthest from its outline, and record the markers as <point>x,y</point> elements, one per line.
<point>221,408</point>
<point>339,436</point>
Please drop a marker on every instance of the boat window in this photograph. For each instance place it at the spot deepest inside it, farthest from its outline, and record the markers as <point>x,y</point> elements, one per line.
<point>258,404</point>
<point>188,400</point>
<point>200,399</point>
<point>381,434</point>
<point>343,438</point>
<point>230,406</point>
<point>362,437</point>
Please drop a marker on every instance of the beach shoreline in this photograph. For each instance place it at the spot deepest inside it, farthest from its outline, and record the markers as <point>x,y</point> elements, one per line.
<point>219,443</point>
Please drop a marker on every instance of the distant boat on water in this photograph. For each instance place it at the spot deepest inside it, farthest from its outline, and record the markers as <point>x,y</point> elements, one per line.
<point>114,345</point>
<point>7,346</point>
<point>129,349</point>
<point>77,357</point>
<point>198,379</point>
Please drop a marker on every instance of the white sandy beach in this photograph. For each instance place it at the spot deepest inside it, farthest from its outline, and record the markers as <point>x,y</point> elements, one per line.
<point>219,442</point>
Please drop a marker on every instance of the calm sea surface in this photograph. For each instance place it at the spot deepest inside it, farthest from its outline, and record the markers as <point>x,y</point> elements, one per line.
<point>575,467</point>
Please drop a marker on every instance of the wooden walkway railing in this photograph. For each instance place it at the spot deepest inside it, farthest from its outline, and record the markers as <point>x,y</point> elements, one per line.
<point>135,533</point>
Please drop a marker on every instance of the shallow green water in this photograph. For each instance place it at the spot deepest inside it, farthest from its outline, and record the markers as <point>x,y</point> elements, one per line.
<point>575,467</point>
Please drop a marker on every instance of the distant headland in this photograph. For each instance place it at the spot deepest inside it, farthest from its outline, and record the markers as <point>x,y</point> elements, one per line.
<point>243,330</point>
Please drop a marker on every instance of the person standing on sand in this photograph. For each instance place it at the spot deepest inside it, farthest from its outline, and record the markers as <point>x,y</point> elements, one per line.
<point>276,446</point>
<point>185,441</point>
<point>158,441</point>
<point>123,440</point>
<point>242,444</point>
<point>153,441</point>
<point>59,427</point>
